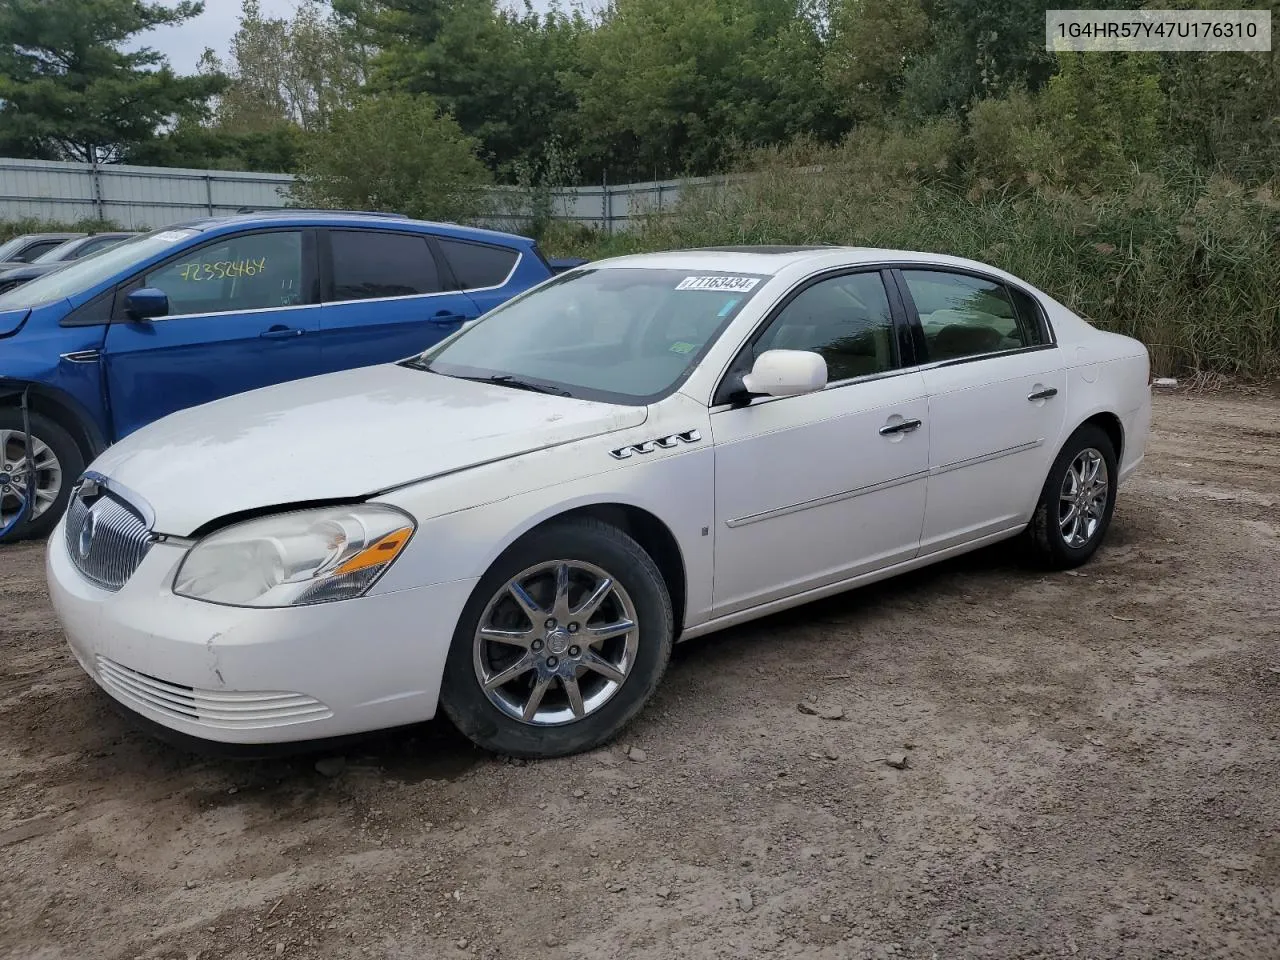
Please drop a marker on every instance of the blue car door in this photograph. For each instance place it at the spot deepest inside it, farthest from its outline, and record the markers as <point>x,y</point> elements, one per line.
<point>386,298</point>
<point>242,314</point>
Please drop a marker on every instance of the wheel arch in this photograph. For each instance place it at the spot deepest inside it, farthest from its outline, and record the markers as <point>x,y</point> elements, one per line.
<point>651,532</point>
<point>58,407</point>
<point>1111,425</point>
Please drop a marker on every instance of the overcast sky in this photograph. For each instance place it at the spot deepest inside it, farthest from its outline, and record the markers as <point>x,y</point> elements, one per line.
<point>215,27</point>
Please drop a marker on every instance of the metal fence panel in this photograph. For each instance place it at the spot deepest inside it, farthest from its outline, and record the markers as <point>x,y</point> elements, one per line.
<point>149,197</point>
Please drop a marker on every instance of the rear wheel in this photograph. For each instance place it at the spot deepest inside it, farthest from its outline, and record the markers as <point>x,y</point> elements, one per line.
<point>561,644</point>
<point>57,463</point>
<point>1077,502</point>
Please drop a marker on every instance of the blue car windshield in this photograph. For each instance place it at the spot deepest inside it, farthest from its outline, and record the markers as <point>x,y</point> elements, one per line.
<point>91,270</point>
<point>622,334</point>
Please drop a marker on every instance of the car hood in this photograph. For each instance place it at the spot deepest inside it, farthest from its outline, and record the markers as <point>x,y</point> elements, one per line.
<point>337,436</point>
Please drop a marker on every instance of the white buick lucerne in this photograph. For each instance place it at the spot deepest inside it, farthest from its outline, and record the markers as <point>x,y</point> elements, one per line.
<point>517,524</point>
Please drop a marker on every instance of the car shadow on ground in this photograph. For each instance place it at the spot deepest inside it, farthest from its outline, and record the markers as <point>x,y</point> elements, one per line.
<point>435,751</point>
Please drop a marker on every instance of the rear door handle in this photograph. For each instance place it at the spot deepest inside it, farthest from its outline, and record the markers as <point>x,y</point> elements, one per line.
<point>1044,394</point>
<point>446,318</point>
<point>906,426</point>
<point>281,332</point>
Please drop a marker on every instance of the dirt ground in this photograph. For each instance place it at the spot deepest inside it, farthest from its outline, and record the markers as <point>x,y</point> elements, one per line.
<point>1092,770</point>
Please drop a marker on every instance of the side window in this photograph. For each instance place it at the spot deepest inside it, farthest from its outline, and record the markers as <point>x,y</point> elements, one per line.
<point>93,246</point>
<point>478,265</point>
<point>37,249</point>
<point>846,319</point>
<point>1030,316</point>
<point>252,271</point>
<point>966,316</point>
<point>375,263</point>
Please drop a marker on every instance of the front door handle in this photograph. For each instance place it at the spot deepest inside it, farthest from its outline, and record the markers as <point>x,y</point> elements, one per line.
<point>1044,394</point>
<point>281,332</point>
<point>905,426</point>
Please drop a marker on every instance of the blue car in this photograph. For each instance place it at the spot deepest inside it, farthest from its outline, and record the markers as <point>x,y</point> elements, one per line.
<point>201,310</point>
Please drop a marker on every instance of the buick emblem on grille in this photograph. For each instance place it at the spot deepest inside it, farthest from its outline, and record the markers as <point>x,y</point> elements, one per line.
<point>85,540</point>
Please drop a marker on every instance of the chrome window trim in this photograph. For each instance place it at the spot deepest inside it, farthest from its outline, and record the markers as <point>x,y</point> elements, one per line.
<point>891,265</point>
<point>327,303</point>
<point>885,375</point>
<point>901,266</point>
<point>428,237</point>
<point>334,303</point>
<point>227,313</point>
<point>477,243</point>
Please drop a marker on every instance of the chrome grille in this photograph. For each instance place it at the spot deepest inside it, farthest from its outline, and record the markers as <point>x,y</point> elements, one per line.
<point>228,709</point>
<point>106,540</point>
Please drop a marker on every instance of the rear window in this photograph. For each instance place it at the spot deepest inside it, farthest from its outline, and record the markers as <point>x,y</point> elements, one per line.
<point>478,265</point>
<point>374,263</point>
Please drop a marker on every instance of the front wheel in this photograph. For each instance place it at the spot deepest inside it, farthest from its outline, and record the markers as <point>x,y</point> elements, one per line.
<point>562,642</point>
<point>1077,501</point>
<point>56,461</point>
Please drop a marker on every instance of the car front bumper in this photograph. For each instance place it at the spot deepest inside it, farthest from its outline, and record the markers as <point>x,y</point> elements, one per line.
<point>241,675</point>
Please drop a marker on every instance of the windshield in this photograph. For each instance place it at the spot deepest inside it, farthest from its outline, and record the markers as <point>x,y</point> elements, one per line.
<point>625,335</point>
<point>91,270</point>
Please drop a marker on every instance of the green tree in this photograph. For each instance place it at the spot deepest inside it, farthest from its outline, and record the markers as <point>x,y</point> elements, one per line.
<point>1103,112</point>
<point>393,152</point>
<point>670,87</point>
<point>275,149</point>
<point>501,74</point>
<point>69,90</point>
<point>872,42</point>
<point>978,49</point>
<point>297,70</point>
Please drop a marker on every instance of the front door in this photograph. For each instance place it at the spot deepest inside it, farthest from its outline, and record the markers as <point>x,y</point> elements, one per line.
<point>240,317</point>
<point>387,299</point>
<point>996,404</point>
<point>818,488</point>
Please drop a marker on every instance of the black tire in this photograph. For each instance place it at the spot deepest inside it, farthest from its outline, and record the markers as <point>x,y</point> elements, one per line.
<point>70,459</point>
<point>577,540</point>
<point>1045,539</point>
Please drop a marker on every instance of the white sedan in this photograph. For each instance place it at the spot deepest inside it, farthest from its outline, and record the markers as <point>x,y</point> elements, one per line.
<point>516,525</point>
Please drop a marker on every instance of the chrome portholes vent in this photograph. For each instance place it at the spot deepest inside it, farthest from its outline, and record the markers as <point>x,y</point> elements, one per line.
<point>661,443</point>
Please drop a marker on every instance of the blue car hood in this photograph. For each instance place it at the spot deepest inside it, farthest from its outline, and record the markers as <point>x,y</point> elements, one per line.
<point>11,321</point>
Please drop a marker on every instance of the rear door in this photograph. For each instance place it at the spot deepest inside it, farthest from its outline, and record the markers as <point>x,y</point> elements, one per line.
<point>242,315</point>
<point>997,402</point>
<point>386,298</point>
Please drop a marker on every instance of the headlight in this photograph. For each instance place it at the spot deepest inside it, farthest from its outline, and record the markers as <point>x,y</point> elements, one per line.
<point>310,556</point>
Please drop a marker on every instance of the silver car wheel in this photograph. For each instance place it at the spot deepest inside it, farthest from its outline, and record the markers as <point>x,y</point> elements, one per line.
<point>556,642</point>
<point>14,468</point>
<point>1082,502</point>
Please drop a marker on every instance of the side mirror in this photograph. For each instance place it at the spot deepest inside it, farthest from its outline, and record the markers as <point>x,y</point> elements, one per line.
<point>786,373</point>
<point>146,304</point>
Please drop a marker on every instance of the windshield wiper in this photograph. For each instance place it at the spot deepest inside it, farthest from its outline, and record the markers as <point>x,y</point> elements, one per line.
<point>507,380</point>
<point>501,379</point>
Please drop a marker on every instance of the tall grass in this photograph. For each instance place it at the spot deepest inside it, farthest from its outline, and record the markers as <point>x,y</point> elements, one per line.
<point>14,228</point>
<point>1188,263</point>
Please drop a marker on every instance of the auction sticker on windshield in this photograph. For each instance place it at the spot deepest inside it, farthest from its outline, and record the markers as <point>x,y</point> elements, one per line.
<point>734,284</point>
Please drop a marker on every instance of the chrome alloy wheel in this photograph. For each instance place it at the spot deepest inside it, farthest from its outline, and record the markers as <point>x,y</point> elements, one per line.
<point>556,642</point>
<point>14,466</point>
<point>1082,502</point>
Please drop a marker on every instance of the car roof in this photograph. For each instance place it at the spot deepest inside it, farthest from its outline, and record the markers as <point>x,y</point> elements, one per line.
<point>770,260</point>
<point>48,236</point>
<point>286,216</point>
